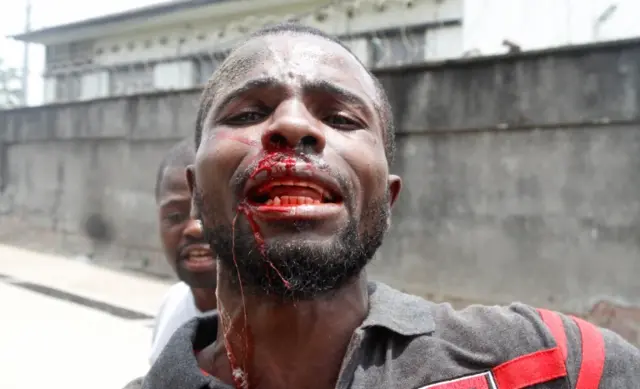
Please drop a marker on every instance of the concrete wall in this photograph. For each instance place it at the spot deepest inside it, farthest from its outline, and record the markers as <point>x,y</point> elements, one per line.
<point>94,162</point>
<point>521,177</point>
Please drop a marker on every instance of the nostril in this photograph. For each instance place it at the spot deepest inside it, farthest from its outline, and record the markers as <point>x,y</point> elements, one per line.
<point>309,141</point>
<point>278,140</point>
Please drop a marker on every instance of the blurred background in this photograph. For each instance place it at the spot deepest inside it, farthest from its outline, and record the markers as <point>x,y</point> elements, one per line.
<point>518,142</point>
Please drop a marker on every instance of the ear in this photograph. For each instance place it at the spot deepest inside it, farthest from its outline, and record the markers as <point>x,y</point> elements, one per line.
<point>191,178</point>
<point>395,184</point>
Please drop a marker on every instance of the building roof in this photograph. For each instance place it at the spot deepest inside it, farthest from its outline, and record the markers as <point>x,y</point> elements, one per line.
<point>142,13</point>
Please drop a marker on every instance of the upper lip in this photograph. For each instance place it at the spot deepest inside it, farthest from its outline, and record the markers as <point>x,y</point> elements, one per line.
<point>186,251</point>
<point>302,172</point>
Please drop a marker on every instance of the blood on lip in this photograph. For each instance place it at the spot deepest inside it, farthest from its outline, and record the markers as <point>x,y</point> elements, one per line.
<point>289,192</point>
<point>289,188</point>
<point>240,374</point>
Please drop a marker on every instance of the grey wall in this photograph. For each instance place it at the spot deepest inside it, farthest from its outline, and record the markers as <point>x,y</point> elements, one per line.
<point>521,177</point>
<point>94,162</point>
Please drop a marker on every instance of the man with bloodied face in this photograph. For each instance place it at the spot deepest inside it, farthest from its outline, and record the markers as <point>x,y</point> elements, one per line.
<point>294,139</point>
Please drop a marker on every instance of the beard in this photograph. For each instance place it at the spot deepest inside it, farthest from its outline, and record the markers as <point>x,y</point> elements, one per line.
<point>296,270</point>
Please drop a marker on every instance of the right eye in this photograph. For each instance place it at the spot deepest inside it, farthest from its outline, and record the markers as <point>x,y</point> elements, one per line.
<point>244,118</point>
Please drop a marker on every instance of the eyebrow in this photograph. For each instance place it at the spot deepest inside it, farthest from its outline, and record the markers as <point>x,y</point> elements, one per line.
<point>173,200</point>
<point>315,86</point>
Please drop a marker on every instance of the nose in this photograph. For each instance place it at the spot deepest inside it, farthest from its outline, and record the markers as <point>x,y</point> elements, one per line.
<point>193,229</point>
<point>294,128</point>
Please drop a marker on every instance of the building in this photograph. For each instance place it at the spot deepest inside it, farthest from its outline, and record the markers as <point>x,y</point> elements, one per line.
<point>178,44</point>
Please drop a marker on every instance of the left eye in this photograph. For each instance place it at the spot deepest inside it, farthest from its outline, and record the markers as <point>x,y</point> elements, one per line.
<point>176,217</point>
<point>342,122</point>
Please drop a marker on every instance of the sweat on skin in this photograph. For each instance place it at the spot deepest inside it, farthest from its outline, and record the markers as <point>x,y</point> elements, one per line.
<point>292,113</point>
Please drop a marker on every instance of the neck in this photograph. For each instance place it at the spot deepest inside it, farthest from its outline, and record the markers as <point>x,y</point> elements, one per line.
<point>267,339</point>
<point>205,299</point>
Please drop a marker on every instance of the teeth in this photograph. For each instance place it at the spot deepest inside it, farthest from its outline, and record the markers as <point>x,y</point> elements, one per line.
<point>324,193</point>
<point>292,200</point>
<point>197,258</point>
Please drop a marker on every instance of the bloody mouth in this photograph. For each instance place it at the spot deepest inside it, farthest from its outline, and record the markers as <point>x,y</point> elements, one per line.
<point>291,193</point>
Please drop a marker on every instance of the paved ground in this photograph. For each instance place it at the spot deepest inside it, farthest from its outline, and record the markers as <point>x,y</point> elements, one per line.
<point>66,323</point>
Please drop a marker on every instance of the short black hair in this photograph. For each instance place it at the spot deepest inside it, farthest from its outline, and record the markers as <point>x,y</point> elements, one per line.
<point>383,107</point>
<point>179,155</point>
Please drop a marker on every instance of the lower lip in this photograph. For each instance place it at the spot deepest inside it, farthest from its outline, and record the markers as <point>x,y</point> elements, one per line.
<point>297,212</point>
<point>199,265</point>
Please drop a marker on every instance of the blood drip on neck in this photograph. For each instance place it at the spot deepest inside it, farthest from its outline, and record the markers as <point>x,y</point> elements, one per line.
<point>266,164</point>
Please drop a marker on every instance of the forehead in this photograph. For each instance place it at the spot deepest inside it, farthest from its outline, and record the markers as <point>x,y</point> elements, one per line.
<point>174,183</point>
<point>296,58</point>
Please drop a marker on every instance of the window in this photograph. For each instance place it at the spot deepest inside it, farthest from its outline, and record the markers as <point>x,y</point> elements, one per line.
<point>131,79</point>
<point>68,87</point>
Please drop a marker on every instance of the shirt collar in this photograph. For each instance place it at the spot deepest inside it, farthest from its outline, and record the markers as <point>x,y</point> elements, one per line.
<point>399,312</point>
<point>176,366</point>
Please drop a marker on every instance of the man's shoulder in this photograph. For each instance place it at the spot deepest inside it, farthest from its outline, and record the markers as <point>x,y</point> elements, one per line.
<point>497,335</point>
<point>179,294</point>
<point>179,290</point>
<point>505,331</point>
<point>135,384</point>
<point>176,308</point>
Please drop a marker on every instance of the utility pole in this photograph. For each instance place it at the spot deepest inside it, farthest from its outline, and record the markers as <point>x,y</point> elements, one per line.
<point>25,55</point>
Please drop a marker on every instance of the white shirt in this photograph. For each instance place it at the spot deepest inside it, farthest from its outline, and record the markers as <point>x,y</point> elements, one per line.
<point>178,307</point>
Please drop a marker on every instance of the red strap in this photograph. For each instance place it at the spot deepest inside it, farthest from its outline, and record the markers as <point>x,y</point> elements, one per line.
<point>593,355</point>
<point>554,322</point>
<point>531,369</point>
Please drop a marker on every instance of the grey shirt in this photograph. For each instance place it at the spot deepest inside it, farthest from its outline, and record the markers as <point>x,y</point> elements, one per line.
<point>408,342</point>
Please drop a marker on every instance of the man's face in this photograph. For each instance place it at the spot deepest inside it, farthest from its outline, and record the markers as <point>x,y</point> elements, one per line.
<point>291,175</point>
<point>184,245</point>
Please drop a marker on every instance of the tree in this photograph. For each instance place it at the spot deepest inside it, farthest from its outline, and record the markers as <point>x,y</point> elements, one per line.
<point>10,86</point>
